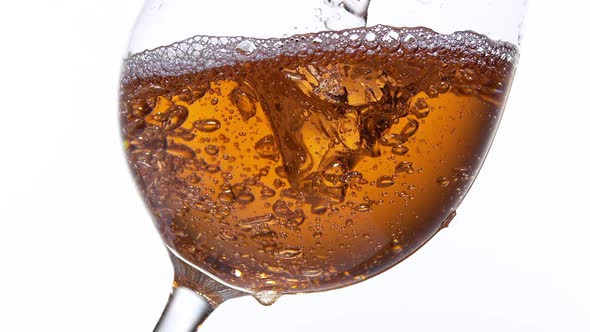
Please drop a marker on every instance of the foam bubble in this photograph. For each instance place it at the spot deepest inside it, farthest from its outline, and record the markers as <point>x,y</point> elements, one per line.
<point>201,53</point>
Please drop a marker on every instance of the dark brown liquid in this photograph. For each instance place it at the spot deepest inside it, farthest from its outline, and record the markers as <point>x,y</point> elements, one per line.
<point>312,162</point>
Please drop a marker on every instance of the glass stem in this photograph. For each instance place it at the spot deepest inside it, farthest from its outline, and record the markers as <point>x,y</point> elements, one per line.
<point>185,312</point>
<point>194,297</point>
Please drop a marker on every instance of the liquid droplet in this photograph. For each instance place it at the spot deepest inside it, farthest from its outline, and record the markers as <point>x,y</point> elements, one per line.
<point>267,298</point>
<point>207,126</point>
<point>448,220</point>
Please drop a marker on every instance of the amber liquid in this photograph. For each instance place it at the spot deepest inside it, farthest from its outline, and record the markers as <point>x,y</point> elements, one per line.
<point>311,162</point>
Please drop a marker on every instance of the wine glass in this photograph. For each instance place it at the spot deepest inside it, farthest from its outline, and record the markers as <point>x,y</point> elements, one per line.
<point>293,147</point>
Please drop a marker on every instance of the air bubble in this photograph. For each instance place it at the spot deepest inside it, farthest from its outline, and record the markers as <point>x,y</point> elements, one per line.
<point>180,151</point>
<point>334,171</point>
<point>248,224</point>
<point>296,219</point>
<point>246,47</point>
<point>267,192</point>
<point>363,207</point>
<point>244,102</point>
<point>443,181</point>
<point>319,209</point>
<point>227,236</point>
<point>267,149</point>
<point>281,171</point>
<point>311,272</point>
<point>399,150</point>
<point>405,167</point>
<point>278,183</point>
<point>420,109</point>
<point>461,174</point>
<point>352,177</point>
<point>392,140</point>
<point>289,253</point>
<point>391,36</point>
<point>212,150</point>
<point>175,117</point>
<point>281,209</point>
<point>140,109</point>
<point>370,36</point>
<point>410,129</point>
<point>385,181</point>
<point>227,197</point>
<point>245,198</point>
<point>207,126</point>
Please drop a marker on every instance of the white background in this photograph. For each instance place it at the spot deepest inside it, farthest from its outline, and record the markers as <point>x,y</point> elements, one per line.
<point>78,252</point>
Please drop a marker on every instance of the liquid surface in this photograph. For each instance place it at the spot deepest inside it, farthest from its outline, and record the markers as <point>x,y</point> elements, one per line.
<point>311,162</point>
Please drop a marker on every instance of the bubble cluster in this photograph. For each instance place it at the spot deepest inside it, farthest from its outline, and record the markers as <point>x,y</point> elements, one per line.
<point>202,53</point>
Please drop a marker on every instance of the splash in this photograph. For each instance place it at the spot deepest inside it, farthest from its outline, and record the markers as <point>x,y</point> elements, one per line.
<point>345,14</point>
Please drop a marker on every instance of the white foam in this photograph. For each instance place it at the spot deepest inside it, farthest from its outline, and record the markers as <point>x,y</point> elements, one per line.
<point>201,53</point>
